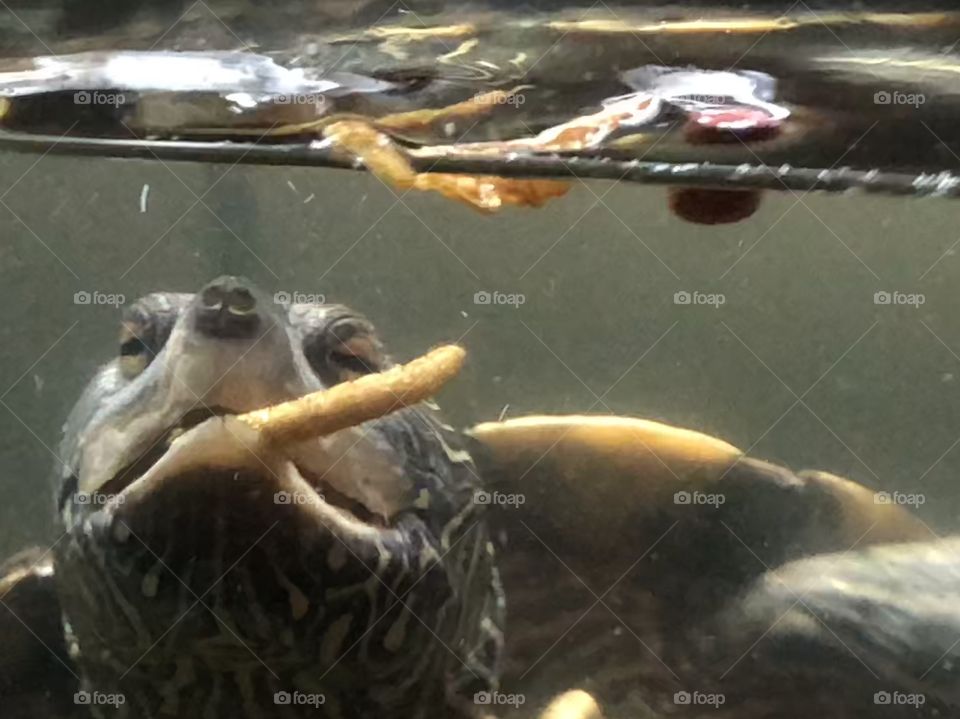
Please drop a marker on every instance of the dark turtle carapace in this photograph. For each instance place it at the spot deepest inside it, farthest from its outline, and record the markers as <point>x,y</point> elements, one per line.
<point>369,572</point>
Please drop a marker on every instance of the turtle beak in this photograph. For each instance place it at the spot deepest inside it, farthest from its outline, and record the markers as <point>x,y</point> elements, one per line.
<point>346,476</point>
<point>305,481</point>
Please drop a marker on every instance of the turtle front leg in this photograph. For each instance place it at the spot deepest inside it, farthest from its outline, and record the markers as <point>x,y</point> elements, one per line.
<point>36,675</point>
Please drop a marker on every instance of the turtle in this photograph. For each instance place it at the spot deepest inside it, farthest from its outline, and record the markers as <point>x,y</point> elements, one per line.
<point>572,567</point>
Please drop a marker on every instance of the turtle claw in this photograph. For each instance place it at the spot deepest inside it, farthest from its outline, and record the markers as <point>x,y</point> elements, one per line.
<point>571,704</point>
<point>574,704</point>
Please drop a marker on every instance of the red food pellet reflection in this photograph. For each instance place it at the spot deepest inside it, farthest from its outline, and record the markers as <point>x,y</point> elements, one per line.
<point>730,124</point>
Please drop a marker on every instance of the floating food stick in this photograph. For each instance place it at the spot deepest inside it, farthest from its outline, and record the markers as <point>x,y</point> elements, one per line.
<point>478,104</point>
<point>581,133</point>
<point>412,121</point>
<point>383,157</point>
<point>351,403</point>
<point>754,25</point>
<point>416,34</point>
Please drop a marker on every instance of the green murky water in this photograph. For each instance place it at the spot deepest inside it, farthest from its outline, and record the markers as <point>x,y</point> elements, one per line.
<point>821,332</point>
<point>799,363</point>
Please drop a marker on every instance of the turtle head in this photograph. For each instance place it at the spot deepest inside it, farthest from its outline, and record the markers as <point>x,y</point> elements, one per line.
<point>340,569</point>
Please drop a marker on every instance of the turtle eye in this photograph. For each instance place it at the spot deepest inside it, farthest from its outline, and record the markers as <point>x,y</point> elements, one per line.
<point>344,351</point>
<point>145,328</point>
<point>355,357</point>
<point>135,355</point>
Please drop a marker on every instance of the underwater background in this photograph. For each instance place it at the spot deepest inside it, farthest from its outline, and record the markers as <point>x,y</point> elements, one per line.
<point>787,351</point>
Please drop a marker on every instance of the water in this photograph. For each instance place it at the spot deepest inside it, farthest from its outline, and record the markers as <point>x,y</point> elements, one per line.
<point>787,348</point>
<point>799,283</point>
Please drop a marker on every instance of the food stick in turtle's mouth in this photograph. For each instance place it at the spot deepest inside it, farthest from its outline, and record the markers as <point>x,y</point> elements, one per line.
<point>252,439</point>
<point>352,403</point>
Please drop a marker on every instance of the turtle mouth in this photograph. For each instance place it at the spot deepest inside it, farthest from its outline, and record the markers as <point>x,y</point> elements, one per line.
<point>205,439</point>
<point>331,449</point>
<point>158,447</point>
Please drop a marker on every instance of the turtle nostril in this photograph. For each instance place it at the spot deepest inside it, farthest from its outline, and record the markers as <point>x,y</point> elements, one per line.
<point>227,309</point>
<point>241,302</point>
<point>212,299</point>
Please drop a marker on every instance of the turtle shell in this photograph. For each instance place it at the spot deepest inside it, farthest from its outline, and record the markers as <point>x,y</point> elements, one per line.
<point>649,564</point>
